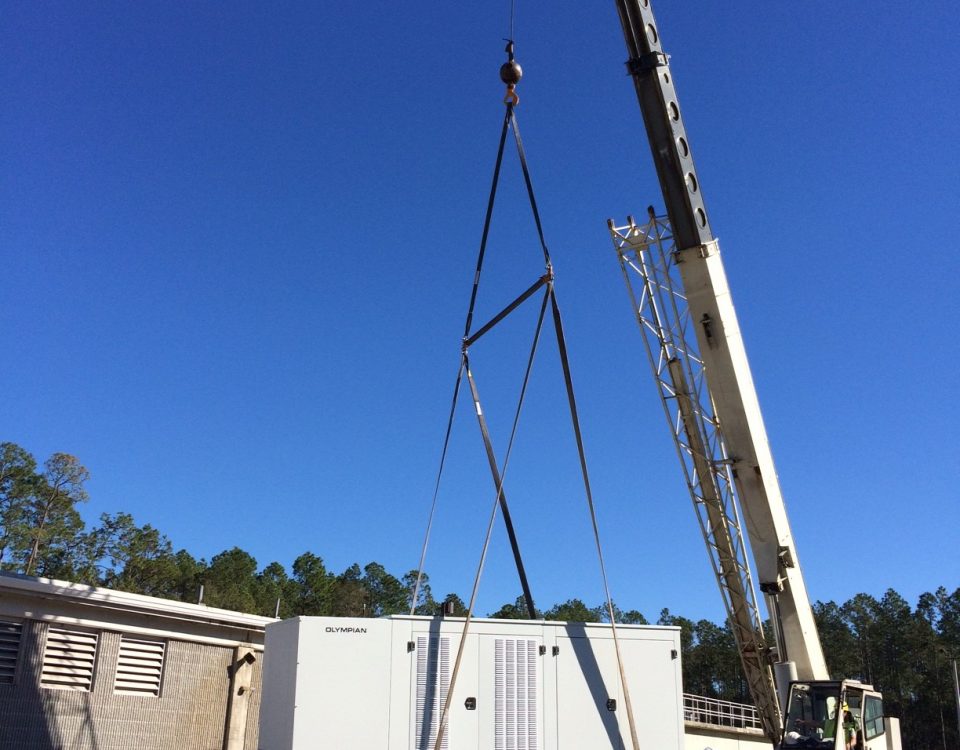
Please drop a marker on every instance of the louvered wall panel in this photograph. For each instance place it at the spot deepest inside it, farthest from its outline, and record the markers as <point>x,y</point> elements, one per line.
<point>68,659</point>
<point>515,694</point>
<point>139,667</point>
<point>433,681</point>
<point>10,633</point>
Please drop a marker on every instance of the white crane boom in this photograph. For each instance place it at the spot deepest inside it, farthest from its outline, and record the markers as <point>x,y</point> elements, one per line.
<point>693,341</point>
<point>736,405</point>
<point>678,339</point>
<point>692,337</point>
<point>717,332</point>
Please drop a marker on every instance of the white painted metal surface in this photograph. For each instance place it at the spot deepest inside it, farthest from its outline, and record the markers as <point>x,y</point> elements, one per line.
<point>685,301</point>
<point>365,683</point>
<point>892,733</point>
<point>731,387</point>
<point>716,740</point>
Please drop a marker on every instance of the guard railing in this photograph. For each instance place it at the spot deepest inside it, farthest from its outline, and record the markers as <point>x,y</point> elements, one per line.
<point>716,712</point>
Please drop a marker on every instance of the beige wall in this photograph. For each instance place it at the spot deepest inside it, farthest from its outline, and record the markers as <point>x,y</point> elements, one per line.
<point>189,713</point>
<point>191,710</point>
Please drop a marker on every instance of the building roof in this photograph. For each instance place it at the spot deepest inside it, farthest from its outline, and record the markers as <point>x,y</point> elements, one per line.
<point>62,601</point>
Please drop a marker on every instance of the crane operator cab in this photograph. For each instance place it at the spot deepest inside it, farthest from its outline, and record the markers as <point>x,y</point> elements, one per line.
<point>845,715</point>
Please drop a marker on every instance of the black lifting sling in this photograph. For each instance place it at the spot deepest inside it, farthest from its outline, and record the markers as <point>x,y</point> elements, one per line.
<point>510,74</point>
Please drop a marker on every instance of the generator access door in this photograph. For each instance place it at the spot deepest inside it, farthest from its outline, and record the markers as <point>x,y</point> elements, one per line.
<point>434,656</point>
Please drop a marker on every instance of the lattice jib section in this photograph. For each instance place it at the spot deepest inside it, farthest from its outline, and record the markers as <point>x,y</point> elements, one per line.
<point>651,268</point>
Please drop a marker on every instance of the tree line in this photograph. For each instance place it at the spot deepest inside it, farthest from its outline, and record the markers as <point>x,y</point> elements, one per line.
<point>905,651</point>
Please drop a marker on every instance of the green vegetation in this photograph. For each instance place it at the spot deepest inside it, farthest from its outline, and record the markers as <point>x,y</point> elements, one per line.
<point>905,651</point>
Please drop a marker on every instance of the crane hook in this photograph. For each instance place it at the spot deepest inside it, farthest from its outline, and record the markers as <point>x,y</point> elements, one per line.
<point>510,74</point>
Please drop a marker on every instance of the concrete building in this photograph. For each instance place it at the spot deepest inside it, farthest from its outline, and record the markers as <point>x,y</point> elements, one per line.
<point>93,669</point>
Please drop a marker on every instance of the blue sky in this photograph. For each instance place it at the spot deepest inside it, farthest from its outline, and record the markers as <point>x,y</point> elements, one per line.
<point>237,244</point>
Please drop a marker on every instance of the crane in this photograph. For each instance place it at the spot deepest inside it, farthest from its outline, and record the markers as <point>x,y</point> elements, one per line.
<point>679,292</point>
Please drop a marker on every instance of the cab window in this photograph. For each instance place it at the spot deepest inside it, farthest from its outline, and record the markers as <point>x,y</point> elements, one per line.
<point>812,716</point>
<point>872,717</point>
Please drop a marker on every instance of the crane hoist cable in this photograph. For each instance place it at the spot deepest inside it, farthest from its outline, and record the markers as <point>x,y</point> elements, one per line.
<point>510,74</point>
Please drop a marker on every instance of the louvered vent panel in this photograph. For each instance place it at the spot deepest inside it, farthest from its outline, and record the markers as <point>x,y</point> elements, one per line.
<point>68,659</point>
<point>139,667</point>
<point>10,633</point>
<point>433,681</point>
<point>515,695</point>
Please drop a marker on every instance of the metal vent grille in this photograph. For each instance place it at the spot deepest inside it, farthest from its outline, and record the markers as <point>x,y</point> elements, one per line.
<point>139,667</point>
<point>515,694</point>
<point>10,633</point>
<point>68,659</point>
<point>433,681</point>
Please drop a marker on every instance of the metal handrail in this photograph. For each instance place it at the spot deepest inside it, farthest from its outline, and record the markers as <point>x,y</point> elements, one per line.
<point>702,710</point>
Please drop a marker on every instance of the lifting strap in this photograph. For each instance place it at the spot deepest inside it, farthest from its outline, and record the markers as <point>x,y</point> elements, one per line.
<point>499,474</point>
<point>442,723</point>
<point>502,501</point>
<point>568,380</point>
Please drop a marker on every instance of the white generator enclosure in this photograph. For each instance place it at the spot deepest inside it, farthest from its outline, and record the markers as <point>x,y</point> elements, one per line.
<point>332,683</point>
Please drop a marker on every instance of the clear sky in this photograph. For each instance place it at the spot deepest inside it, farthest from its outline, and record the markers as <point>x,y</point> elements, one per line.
<point>237,243</point>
